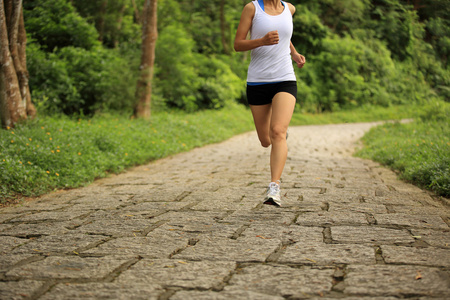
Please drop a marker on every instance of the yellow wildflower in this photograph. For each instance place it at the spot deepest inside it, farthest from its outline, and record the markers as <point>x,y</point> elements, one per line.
<point>48,133</point>
<point>8,128</point>
<point>30,139</point>
<point>58,150</point>
<point>53,151</point>
<point>29,163</point>
<point>12,132</point>
<point>57,174</point>
<point>50,139</point>
<point>12,141</point>
<point>79,153</point>
<point>48,172</point>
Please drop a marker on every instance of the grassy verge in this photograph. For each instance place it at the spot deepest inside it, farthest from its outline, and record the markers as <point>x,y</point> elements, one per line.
<point>60,152</point>
<point>419,151</point>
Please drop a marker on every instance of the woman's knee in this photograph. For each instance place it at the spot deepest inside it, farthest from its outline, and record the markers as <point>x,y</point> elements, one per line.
<point>278,132</point>
<point>265,142</point>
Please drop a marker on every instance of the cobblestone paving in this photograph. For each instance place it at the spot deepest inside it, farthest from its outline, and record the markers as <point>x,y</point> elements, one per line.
<point>193,226</point>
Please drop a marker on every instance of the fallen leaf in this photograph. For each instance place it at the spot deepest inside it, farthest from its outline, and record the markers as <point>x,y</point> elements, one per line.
<point>312,260</point>
<point>418,276</point>
<point>260,236</point>
<point>182,262</point>
<point>76,252</point>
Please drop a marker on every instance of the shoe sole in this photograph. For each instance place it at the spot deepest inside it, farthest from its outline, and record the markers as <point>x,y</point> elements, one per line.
<point>270,201</point>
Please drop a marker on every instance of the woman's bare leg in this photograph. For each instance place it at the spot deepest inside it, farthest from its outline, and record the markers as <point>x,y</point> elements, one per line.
<point>261,116</point>
<point>283,105</point>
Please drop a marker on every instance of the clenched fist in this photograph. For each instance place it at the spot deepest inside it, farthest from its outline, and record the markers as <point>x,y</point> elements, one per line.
<point>271,38</point>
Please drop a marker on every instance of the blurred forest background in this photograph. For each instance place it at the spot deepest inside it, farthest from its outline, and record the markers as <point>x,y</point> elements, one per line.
<point>83,56</point>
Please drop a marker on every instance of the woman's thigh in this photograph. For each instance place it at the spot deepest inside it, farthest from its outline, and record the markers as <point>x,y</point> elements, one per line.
<point>283,105</point>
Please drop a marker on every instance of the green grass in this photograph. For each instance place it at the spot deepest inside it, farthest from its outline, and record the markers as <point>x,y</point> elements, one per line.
<point>419,151</point>
<point>60,152</point>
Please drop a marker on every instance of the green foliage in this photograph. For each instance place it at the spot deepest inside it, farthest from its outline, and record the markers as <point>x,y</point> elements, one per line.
<point>309,31</point>
<point>56,24</point>
<point>61,152</point>
<point>74,80</point>
<point>193,81</point>
<point>359,53</point>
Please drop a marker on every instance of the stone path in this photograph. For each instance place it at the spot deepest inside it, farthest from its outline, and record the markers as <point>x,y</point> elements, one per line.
<point>193,227</point>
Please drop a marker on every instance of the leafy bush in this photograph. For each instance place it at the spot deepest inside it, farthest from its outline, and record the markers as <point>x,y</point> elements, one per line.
<point>190,81</point>
<point>56,24</point>
<point>74,80</point>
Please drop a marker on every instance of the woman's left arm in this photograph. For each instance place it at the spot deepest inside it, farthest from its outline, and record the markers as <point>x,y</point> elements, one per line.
<point>298,58</point>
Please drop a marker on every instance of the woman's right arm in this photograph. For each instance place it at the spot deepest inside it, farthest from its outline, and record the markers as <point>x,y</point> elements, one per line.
<point>241,43</point>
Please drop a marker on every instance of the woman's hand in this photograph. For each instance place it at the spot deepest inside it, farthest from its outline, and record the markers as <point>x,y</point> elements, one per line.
<point>299,59</point>
<point>271,38</point>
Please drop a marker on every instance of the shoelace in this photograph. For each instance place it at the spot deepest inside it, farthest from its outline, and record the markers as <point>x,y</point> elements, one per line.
<point>274,188</point>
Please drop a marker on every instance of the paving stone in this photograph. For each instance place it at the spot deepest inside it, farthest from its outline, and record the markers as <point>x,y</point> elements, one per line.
<point>8,243</point>
<point>332,218</point>
<point>176,218</point>
<point>9,260</point>
<point>416,256</point>
<point>286,234</point>
<point>419,210</point>
<point>162,195</point>
<point>108,290</point>
<point>400,281</point>
<point>119,223</point>
<point>244,249</point>
<point>411,221</point>
<point>142,246</point>
<point>6,217</point>
<point>282,281</point>
<point>58,244</point>
<point>178,273</point>
<point>47,228</point>
<point>369,208</point>
<point>157,206</point>
<point>328,254</point>
<point>196,231</point>
<point>268,217</point>
<point>48,216</point>
<point>370,235</point>
<point>105,202</point>
<point>19,289</point>
<point>223,295</point>
<point>72,267</point>
<point>435,238</point>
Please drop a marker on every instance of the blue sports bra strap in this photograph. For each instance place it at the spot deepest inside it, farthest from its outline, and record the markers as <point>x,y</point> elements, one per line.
<point>261,3</point>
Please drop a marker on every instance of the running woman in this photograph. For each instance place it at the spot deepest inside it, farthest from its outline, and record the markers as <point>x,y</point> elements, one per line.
<point>271,81</point>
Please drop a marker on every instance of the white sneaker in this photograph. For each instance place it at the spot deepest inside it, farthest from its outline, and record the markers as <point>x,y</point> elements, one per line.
<point>273,195</point>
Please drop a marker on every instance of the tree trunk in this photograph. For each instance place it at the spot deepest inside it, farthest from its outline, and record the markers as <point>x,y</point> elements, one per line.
<point>101,20</point>
<point>223,29</point>
<point>12,106</point>
<point>23,81</point>
<point>137,15</point>
<point>149,37</point>
<point>119,24</point>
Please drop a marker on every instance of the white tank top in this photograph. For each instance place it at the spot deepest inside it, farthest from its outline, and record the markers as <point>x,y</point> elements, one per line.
<point>271,63</point>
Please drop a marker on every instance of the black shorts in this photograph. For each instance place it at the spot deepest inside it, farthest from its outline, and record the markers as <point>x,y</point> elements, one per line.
<point>264,93</point>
